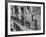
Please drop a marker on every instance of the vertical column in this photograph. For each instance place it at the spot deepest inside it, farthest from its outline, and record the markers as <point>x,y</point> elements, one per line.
<point>13,10</point>
<point>24,14</point>
<point>31,15</point>
<point>31,12</point>
<point>19,10</point>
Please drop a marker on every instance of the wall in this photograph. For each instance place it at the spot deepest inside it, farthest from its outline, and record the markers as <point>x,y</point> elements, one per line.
<point>2,18</point>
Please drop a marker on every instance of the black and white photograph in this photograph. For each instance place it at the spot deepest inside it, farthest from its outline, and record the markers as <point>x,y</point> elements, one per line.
<point>24,18</point>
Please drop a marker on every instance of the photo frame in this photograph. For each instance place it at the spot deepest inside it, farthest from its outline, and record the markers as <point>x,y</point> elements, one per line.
<point>24,18</point>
